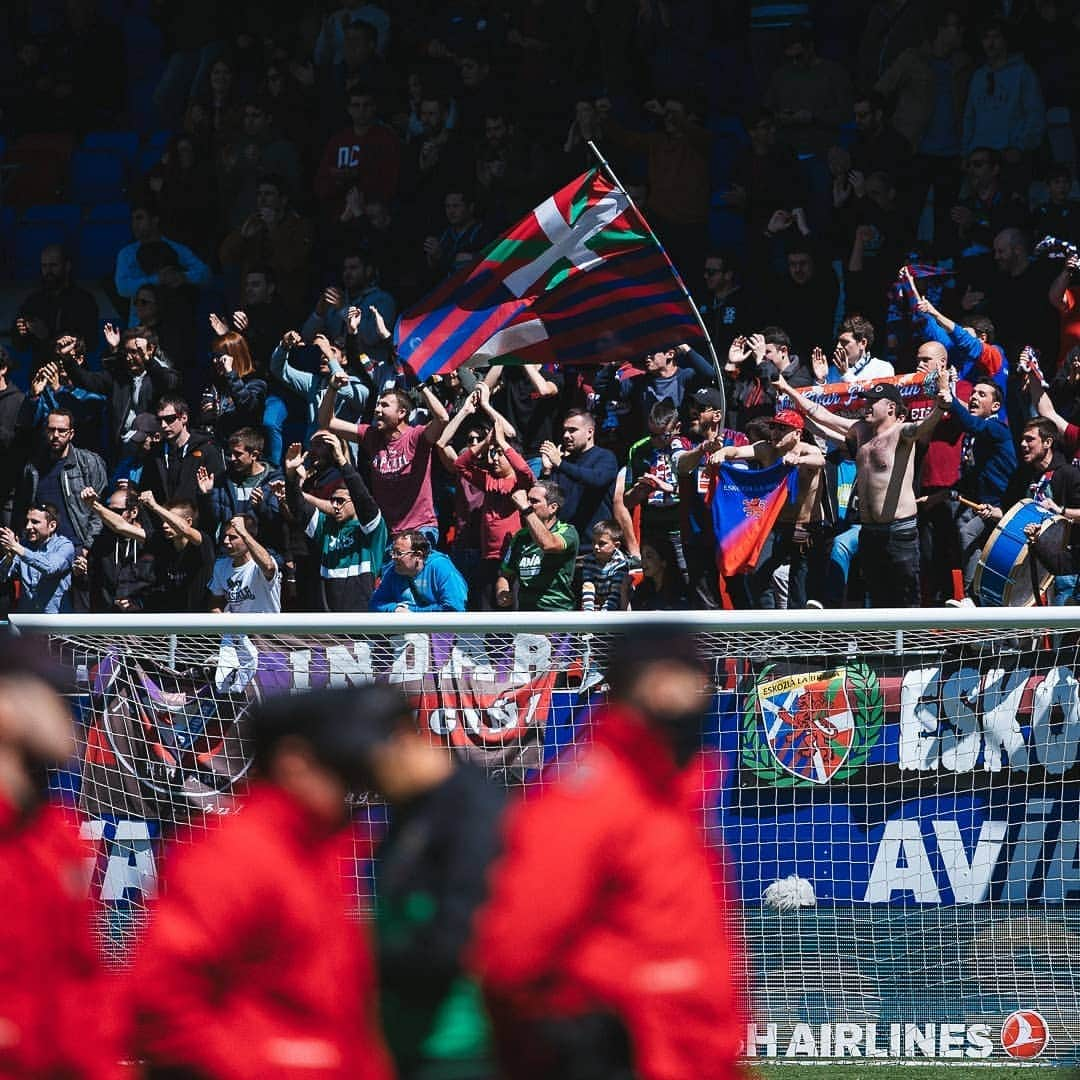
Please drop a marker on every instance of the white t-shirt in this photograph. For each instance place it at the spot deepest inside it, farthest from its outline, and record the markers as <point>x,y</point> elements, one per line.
<point>869,369</point>
<point>245,588</point>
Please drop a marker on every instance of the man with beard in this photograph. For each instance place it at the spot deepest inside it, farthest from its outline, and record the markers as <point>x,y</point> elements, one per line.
<point>1047,477</point>
<point>57,307</point>
<point>53,1011</point>
<point>55,477</point>
<point>584,472</point>
<point>627,968</point>
<point>400,455</point>
<point>41,563</point>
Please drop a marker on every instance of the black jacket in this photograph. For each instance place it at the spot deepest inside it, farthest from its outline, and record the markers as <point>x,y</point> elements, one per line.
<point>119,389</point>
<point>14,444</point>
<point>177,479</point>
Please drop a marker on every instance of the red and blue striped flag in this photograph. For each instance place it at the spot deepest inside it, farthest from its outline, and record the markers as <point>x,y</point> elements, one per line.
<point>580,280</point>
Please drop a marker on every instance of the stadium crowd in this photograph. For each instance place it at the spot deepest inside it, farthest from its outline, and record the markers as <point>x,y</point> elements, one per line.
<point>241,436</point>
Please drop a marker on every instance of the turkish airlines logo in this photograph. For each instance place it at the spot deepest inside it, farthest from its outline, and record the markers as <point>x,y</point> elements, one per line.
<point>1025,1034</point>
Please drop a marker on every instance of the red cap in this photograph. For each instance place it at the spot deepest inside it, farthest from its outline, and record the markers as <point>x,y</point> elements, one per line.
<point>790,418</point>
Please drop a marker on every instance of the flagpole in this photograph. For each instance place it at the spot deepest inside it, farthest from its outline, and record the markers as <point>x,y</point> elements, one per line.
<point>678,277</point>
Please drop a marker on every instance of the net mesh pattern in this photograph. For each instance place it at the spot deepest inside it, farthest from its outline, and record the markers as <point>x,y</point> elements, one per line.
<point>915,792</point>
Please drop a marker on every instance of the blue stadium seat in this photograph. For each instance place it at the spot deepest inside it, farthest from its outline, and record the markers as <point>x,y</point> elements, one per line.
<point>99,241</point>
<point>67,215</point>
<point>122,143</point>
<point>97,176</point>
<point>109,211</point>
<point>145,160</point>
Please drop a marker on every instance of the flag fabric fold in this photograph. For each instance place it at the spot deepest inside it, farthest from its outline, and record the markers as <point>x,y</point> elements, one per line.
<point>745,506</point>
<point>579,280</point>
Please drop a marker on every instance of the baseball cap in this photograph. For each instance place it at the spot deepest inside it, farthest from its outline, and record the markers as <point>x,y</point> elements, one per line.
<point>884,392</point>
<point>708,397</point>
<point>790,418</point>
<point>146,423</point>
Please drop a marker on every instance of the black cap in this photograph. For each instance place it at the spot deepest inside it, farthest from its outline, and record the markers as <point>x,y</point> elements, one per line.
<point>708,397</point>
<point>884,392</point>
<point>146,423</point>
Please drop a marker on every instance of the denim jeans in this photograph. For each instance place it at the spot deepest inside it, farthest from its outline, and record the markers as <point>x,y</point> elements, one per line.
<point>845,545</point>
<point>1066,589</point>
<point>275,413</point>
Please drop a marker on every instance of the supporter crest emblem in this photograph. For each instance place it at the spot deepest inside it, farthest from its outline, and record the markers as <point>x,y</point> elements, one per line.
<point>811,728</point>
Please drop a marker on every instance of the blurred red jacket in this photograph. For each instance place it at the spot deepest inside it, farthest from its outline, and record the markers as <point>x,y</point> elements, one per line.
<point>251,966</point>
<point>54,1019</point>
<point>607,900</point>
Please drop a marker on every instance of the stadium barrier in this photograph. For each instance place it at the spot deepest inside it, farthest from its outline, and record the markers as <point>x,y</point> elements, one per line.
<point>896,791</point>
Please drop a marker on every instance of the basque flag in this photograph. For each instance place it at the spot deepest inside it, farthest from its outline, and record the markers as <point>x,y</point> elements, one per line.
<point>580,280</point>
<point>745,506</point>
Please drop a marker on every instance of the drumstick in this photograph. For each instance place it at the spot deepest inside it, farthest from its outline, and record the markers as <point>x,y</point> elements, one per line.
<point>968,502</point>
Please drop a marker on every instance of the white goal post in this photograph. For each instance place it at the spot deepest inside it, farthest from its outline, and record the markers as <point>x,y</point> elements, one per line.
<point>897,792</point>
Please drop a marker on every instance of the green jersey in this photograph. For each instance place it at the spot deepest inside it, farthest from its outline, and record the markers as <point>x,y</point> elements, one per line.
<point>545,581</point>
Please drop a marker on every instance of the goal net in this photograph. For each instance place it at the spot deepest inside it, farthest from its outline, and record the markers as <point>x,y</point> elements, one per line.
<point>898,802</point>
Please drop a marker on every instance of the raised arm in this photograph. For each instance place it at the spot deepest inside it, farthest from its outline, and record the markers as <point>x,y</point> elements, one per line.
<point>175,520</point>
<point>326,418</point>
<point>545,539</point>
<point>835,426</point>
<point>439,416</point>
<point>263,559</point>
<point>544,387</point>
<point>113,521</point>
<point>926,425</point>
<point>443,443</point>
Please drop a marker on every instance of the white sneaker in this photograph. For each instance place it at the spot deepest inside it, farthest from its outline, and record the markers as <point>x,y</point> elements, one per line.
<point>815,605</point>
<point>966,602</point>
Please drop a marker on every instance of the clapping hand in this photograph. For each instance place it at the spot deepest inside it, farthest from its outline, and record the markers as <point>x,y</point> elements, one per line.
<point>217,324</point>
<point>204,480</point>
<point>353,318</point>
<point>88,496</point>
<point>819,363</point>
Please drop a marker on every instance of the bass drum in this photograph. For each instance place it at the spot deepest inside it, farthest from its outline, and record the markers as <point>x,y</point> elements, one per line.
<point>1004,575</point>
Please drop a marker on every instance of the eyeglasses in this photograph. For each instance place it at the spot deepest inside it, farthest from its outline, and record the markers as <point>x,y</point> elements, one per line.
<point>169,418</point>
<point>398,555</point>
<point>339,500</point>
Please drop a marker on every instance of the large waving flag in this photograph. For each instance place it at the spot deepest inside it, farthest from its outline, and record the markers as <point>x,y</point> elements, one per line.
<point>745,506</point>
<point>579,280</point>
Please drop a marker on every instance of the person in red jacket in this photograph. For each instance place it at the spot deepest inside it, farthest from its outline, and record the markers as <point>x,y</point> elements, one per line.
<point>252,968</point>
<point>54,1018</point>
<point>604,949</point>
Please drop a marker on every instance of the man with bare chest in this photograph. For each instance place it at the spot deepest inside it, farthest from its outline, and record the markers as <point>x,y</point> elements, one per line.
<point>883,445</point>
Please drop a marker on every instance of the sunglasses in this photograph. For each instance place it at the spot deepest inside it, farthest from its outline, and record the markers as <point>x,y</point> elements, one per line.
<point>169,418</point>
<point>338,500</point>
